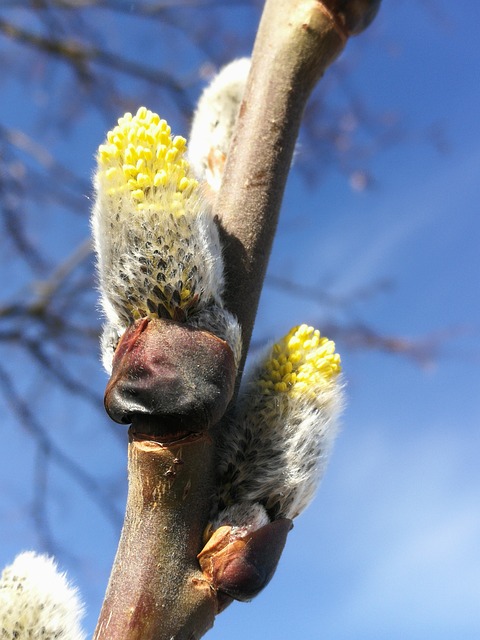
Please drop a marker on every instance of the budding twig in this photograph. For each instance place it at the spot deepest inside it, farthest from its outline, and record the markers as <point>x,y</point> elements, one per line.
<point>157,591</point>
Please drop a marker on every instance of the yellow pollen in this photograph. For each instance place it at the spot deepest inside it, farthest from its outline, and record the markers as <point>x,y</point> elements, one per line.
<point>302,362</point>
<point>140,157</point>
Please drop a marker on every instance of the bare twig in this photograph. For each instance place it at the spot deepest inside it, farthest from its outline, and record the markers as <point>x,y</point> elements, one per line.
<point>80,56</point>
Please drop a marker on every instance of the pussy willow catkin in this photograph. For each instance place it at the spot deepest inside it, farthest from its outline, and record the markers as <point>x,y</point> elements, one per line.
<point>157,245</point>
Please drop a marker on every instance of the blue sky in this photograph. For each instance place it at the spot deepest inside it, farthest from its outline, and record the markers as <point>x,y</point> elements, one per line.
<point>389,548</point>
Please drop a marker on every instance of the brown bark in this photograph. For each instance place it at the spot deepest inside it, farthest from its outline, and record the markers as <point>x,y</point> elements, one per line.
<point>156,590</point>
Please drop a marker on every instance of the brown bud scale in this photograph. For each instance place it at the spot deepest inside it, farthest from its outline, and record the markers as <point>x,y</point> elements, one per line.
<point>170,378</point>
<point>242,566</point>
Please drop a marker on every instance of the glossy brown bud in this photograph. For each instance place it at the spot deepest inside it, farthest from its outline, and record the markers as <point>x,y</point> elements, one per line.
<point>242,566</point>
<point>176,377</point>
<point>353,15</point>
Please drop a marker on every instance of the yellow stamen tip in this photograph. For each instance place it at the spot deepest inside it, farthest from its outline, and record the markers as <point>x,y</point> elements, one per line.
<point>302,362</point>
<point>140,157</point>
<point>138,194</point>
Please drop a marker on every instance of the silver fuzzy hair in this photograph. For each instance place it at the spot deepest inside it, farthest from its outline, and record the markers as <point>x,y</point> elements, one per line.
<point>137,255</point>
<point>215,118</point>
<point>139,260</point>
<point>36,601</point>
<point>243,517</point>
<point>276,448</point>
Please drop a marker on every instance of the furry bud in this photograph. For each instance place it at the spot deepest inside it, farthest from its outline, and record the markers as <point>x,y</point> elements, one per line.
<point>214,121</point>
<point>280,436</point>
<point>271,456</point>
<point>157,244</point>
<point>161,280</point>
<point>36,601</point>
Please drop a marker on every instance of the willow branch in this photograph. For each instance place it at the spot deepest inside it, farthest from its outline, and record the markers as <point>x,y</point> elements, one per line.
<point>157,591</point>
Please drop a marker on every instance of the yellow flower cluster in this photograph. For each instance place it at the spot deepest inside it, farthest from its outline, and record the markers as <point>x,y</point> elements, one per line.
<point>140,158</point>
<point>303,361</point>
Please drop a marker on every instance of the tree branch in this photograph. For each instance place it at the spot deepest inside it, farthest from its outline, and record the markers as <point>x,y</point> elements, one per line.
<point>157,591</point>
<point>80,55</point>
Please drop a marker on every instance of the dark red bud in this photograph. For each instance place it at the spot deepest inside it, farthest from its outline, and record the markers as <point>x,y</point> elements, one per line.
<point>353,15</point>
<point>175,376</point>
<point>242,566</point>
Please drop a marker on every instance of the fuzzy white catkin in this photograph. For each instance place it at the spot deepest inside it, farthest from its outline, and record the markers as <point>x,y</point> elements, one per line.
<point>157,245</point>
<point>37,602</point>
<point>281,434</point>
<point>214,121</point>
